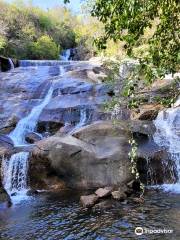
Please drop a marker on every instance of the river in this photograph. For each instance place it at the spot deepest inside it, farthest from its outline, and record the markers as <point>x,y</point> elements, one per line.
<point>59,216</point>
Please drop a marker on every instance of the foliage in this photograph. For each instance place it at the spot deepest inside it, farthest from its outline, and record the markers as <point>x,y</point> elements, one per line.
<point>173,93</point>
<point>44,48</point>
<point>128,20</point>
<point>22,25</point>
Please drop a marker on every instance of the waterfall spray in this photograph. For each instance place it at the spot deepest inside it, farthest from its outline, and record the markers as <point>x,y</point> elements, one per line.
<point>168,136</point>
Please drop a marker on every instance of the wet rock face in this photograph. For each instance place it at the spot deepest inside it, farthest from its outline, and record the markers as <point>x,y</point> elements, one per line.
<point>49,127</point>
<point>4,198</point>
<point>70,100</point>
<point>6,149</point>
<point>22,89</point>
<point>147,112</point>
<point>32,137</point>
<point>155,164</point>
<point>4,64</point>
<point>42,175</point>
<point>95,161</point>
<point>19,93</point>
<point>6,146</point>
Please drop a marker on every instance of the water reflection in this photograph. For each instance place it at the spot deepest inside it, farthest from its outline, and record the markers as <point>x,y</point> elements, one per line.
<point>59,216</point>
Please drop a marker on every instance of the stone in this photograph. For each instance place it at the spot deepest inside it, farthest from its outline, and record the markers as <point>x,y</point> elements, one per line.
<point>64,130</point>
<point>5,140</point>
<point>103,192</point>
<point>96,77</point>
<point>147,112</point>
<point>140,128</point>
<point>118,195</point>
<point>69,101</point>
<point>32,137</point>
<point>103,129</point>
<point>32,192</point>
<point>151,165</point>
<point>133,186</point>
<point>49,126</point>
<point>42,176</point>
<point>95,158</point>
<point>130,184</point>
<point>104,205</point>
<point>140,200</point>
<point>89,200</point>
<point>19,93</point>
<point>6,146</point>
<point>4,197</point>
<point>163,85</point>
<point>4,64</point>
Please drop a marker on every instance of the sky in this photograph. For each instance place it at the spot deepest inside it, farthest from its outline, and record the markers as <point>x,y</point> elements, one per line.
<point>74,5</point>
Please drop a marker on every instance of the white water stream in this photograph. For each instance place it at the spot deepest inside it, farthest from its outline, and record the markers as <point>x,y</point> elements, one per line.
<point>65,56</point>
<point>168,136</point>
<point>83,120</point>
<point>14,170</point>
<point>28,124</point>
<point>11,63</point>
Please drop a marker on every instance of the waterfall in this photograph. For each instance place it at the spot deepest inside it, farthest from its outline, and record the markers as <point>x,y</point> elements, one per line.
<point>11,63</point>
<point>168,136</point>
<point>15,169</point>
<point>38,63</point>
<point>28,124</point>
<point>83,120</point>
<point>45,63</point>
<point>65,55</point>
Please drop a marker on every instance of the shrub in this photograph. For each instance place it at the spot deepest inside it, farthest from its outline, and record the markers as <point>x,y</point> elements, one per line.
<point>44,48</point>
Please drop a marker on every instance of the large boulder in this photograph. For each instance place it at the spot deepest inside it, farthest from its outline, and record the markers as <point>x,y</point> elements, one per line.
<point>98,158</point>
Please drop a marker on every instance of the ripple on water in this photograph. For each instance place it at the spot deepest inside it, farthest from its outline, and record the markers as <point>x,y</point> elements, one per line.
<point>58,216</point>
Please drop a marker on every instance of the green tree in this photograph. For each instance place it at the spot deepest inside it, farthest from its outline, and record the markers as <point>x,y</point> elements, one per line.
<point>127,20</point>
<point>44,48</point>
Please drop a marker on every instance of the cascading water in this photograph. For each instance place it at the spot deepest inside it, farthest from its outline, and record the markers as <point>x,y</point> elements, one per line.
<point>11,63</point>
<point>28,124</point>
<point>15,169</point>
<point>168,136</point>
<point>65,55</point>
<point>83,120</point>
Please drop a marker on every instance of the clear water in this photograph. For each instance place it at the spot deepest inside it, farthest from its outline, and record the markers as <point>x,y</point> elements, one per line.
<point>59,216</point>
<point>168,136</point>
